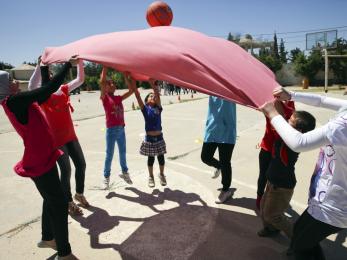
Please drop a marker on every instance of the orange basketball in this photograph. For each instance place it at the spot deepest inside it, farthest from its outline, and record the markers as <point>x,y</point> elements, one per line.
<point>159,14</point>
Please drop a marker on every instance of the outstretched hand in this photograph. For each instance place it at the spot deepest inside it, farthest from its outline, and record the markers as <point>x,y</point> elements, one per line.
<point>74,60</point>
<point>269,109</point>
<point>281,94</point>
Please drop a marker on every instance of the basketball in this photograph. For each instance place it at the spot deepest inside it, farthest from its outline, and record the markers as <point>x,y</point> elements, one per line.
<point>159,14</point>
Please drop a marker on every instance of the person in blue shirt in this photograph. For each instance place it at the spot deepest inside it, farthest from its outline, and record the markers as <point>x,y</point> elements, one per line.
<point>154,143</point>
<point>220,132</point>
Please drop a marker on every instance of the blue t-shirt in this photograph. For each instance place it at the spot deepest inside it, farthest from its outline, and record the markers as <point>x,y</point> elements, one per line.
<point>221,121</point>
<point>152,117</point>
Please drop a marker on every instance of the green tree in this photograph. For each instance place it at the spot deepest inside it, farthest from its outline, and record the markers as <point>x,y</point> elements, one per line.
<point>294,54</point>
<point>5,66</point>
<point>275,48</point>
<point>308,66</point>
<point>339,65</point>
<point>283,53</point>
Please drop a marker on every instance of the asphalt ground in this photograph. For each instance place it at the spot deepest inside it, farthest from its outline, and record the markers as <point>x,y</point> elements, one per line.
<point>179,221</point>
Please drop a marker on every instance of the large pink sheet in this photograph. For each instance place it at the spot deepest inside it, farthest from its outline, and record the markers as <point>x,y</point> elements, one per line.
<point>183,57</point>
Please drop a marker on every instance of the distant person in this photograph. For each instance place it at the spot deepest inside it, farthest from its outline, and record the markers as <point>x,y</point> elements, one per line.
<point>114,110</point>
<point>220,132</point>
<point>40,156</point>
<point>154,143</point>
<point>57,109</point>
<point>326,213</point>
<point>286,108</point>
<point>280,175</point>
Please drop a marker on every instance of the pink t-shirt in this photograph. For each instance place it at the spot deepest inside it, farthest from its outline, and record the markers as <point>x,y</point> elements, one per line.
<point>114,110</point>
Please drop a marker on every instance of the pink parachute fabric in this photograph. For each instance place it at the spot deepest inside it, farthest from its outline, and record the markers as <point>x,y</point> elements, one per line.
<point>180,56</point>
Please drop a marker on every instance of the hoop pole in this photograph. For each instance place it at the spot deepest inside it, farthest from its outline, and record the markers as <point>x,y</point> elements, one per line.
<point>326,70</point>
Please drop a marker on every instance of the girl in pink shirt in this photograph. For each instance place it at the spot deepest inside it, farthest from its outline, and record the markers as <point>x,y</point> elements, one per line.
<point>114,112</point>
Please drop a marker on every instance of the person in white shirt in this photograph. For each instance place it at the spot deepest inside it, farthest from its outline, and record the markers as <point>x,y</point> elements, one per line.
<point>326,213</point>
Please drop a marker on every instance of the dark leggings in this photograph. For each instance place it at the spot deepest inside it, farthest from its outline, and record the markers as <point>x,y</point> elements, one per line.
<point>307,234</point>
<point>72,149</point>
<point>264,162</point>
<point>54,210</point>
<point>225,153</point>
<point>161,160</point>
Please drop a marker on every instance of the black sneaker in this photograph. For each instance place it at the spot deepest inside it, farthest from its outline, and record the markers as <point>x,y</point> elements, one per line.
<point>267,232</point>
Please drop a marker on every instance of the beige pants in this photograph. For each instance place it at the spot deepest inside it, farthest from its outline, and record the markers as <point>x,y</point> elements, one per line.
<point>273,204</point>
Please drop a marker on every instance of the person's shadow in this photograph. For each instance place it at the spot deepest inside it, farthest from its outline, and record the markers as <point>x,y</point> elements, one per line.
<point>191,230</point>
<point>98,222</point>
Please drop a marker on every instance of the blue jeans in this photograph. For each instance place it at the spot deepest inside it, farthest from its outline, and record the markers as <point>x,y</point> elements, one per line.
<point>113,135</point>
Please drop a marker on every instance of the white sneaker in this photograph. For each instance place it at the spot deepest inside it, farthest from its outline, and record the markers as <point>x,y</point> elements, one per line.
<point>162,180</point>
<point>216,173</point>
<point>223,196</point>
<point>151,182</point>
<point>107,183</point>
<point>126,177</point>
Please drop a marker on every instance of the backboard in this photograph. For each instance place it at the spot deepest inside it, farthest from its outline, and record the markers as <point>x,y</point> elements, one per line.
<point>321,40</point>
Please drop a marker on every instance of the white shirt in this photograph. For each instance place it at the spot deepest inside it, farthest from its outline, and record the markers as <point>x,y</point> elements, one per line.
<point>328,190</point>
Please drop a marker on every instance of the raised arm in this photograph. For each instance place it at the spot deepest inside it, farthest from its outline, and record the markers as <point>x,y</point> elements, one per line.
<point>295,140</point>
<point>103,82</point>
<point>78,81</point>
<point>131,83</point>
<point>155,91</point>
<point>35,79</point>
<point>310,99</point>
<point>130,87</point>
<point>20,102</point>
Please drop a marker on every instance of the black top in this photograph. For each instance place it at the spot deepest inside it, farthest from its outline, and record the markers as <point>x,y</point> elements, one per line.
<point>20,102</point>
<point>281,171</point>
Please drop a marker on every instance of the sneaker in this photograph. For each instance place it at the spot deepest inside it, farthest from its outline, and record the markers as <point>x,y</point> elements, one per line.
<point>223,196</point>
<point>82,200</point>
<point>216,173</point>
<point>151,182</point>
<point>257,202</point>
<point>126,177</point>
<point>162,179</point>
<point>107,183</point>
<point>47,244</point>
<point>267,232</point>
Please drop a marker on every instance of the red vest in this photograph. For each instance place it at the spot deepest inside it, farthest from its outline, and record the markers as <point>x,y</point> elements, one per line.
<point>40,154</point>
<point>271,135</point>
<point>57,111</point>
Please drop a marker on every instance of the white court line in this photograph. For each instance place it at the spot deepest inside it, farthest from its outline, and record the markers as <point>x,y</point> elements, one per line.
<point>241,183</point>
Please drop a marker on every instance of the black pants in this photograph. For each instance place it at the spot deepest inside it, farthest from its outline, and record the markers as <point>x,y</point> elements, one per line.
<point>264,162</point>
<point>72,149</point>
<point>54,210</point>
<point>225,153</point>
<point>161,160</point>
<point>307,234</point>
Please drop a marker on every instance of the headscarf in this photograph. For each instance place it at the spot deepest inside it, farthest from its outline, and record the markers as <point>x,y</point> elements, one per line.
<point>4,84</point>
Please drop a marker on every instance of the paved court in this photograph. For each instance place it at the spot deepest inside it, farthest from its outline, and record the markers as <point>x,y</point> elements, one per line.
<point>179,221</point>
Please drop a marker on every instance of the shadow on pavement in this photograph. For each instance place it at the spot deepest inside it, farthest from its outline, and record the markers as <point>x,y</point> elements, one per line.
<point>192,231</point>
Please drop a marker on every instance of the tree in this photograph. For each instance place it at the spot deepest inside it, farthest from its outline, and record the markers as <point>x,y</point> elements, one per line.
<point>271,62</point>
<point>275,48</point>
<point>294,54</point>
<point>283,52</point>
<point>339,65</point>
<point>308,66</point>
<point>5,66</point>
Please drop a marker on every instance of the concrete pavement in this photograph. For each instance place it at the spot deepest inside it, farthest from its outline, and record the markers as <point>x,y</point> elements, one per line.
<point>179,221</point>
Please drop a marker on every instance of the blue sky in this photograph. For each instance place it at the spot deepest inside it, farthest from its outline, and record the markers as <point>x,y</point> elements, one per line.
<point>30,26</point>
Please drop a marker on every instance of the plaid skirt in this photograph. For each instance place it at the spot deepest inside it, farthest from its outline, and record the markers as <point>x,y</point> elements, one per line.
<point>153,146</point>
